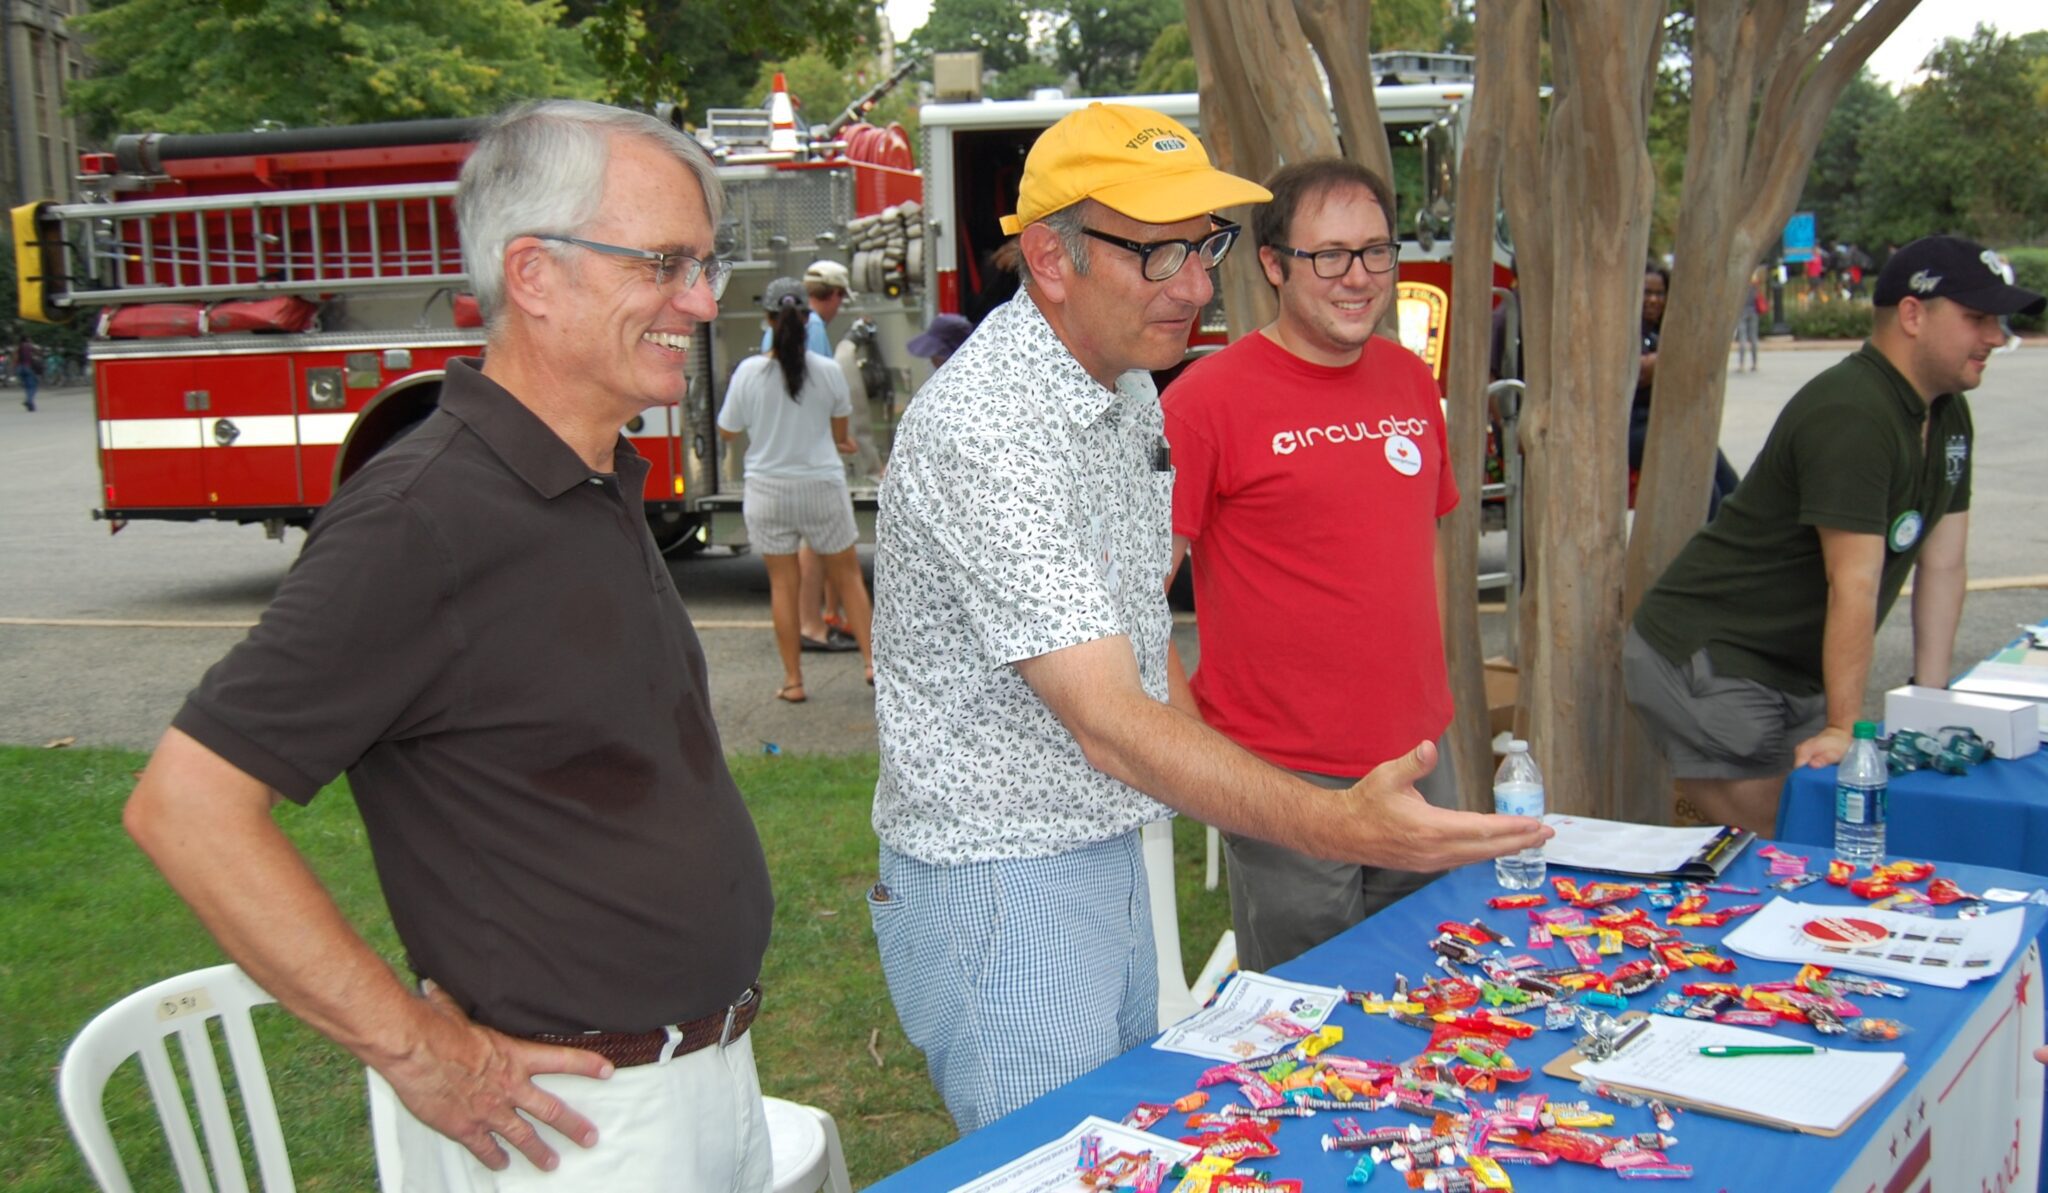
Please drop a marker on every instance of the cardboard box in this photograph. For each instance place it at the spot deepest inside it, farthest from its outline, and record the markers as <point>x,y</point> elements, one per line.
<point>2010,727</point>
<point>1503,683</point>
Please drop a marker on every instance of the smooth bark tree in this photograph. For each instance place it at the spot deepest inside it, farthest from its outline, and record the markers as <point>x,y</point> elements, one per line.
<point>1765,78</point>
<point>1578,189</point>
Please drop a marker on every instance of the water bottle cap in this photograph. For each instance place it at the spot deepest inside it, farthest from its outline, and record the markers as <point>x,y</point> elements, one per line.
<point>1517,746</point>
<point>1866,731</point>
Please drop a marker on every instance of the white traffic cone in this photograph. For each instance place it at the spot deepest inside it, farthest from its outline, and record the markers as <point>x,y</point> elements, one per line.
<point>781,119</point>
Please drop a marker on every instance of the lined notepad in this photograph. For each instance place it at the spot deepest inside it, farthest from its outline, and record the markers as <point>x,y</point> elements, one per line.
<point>1822,1092</point>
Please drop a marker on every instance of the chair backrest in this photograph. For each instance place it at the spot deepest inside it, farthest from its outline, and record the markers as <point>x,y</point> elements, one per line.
<point>140,1026</point>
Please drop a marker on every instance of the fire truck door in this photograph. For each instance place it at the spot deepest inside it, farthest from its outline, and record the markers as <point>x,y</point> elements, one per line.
<point>248,433</point>
<point>149,439</point>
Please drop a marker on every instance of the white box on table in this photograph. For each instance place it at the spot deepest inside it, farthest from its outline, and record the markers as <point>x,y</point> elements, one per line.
<point>2010,727</point>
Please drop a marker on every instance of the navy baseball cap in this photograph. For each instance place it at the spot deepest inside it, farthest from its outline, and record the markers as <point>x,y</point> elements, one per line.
<point>1954,268</point>
<point>945,334</point>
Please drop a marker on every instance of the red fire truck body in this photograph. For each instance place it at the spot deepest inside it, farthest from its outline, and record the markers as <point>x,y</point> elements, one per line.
<point>271,309</point>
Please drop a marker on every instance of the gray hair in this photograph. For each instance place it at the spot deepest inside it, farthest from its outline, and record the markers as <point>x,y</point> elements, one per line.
<point>539,167</point>
<point>1067,224</point>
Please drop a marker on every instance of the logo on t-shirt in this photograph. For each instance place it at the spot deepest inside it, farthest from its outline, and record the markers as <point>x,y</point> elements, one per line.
<point>1286,443</point>
<point>1905,530</point>
<point>1956,453</point>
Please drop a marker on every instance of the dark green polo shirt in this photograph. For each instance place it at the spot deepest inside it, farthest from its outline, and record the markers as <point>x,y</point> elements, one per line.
<point>1846,453</point>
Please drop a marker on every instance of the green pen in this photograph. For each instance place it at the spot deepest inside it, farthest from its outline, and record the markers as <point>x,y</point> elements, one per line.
<point>1759,1050</point>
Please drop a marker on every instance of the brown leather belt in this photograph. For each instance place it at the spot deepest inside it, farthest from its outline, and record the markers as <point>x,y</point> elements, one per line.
<point>628,1048</point>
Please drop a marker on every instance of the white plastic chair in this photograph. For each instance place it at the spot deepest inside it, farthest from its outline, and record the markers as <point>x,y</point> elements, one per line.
<point>805,1144</point>
<point>1177,1000</point>
<point>140,1026</point>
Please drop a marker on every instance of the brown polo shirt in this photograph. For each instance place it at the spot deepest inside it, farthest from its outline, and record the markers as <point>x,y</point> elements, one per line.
<point>481,633</point>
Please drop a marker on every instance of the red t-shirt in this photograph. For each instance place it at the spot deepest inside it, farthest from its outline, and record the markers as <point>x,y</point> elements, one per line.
<point>1311,495</point>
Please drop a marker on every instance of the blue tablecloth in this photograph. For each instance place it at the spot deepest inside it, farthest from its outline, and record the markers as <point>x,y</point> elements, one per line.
<point>1726,1155</point>
<point>1996,815</point>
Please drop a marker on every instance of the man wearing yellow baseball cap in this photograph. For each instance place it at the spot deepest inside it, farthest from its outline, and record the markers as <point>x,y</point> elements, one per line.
<point>1031,713</point>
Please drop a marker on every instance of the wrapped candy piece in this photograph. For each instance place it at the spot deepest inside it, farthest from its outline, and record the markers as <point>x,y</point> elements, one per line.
<point>1576,1146</point>
<point>1943,891</point>
<point>1145,1114</point>
<point>1632,1157</point>
<point>1907,871</point>
<point>1514,902</point>
<point>1748,1018</point>
<point>1237,1182</point>
<point>1873,887</point>
<point>1839,872</point>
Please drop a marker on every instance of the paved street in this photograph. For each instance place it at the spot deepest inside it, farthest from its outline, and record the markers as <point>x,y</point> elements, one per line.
<point>101,636</point>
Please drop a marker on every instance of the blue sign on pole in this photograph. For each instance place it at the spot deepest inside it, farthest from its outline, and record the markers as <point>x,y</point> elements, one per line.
<point>1800,238</point>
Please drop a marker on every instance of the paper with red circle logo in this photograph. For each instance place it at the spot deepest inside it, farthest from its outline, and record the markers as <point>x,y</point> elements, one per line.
<point>1844,932</point>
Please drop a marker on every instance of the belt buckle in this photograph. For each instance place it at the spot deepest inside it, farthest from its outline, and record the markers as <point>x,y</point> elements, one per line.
<point>732,1012</point>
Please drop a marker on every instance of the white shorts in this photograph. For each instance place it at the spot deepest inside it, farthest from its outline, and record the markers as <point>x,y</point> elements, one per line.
<point>780,513</point>
<point>693,1123</point>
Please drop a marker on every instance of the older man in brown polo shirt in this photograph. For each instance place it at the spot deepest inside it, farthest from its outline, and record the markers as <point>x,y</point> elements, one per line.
<point>481,634</point>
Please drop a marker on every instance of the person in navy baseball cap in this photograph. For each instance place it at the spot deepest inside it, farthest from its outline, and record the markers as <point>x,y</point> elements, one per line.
<point>1750,655</point>
<point>1953,268</point>
<point>940,339</point>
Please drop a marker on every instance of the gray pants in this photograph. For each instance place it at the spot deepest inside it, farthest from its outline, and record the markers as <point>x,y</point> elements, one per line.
<point>1284,903</point>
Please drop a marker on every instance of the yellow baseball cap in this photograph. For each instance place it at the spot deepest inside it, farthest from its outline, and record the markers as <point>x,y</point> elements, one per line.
<point>1133,160</point>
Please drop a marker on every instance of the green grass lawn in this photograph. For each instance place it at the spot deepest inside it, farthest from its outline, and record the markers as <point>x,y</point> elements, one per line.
<point>84,919</point>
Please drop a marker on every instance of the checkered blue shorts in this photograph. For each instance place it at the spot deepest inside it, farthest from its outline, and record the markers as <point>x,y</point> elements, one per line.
<point>1015,977</point>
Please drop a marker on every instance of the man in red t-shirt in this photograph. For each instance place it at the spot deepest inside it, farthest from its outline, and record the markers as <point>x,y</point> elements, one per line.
<point>1310,470</point>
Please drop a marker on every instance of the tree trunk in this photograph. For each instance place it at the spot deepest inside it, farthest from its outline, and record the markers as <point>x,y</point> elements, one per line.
<point>1260,107</point>
<point>1341,33</point>
<point>1759,104</point>
<point>1591,211</point>
<point>1479,181</point>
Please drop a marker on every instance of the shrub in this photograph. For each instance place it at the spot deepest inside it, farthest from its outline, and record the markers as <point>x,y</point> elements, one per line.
<point>2029,269</point>
<point>1830,321</point>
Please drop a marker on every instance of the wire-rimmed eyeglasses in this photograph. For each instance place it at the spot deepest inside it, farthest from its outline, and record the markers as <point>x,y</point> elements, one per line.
<point>666,267</point>
<point>1335,263</point>
<point>1159,260</point>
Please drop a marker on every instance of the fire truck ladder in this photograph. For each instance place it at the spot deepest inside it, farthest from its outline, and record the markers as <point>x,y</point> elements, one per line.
<point>225,246</point>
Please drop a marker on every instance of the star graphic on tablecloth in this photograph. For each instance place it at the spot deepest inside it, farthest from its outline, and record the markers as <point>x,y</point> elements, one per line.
<point>2020,988</point>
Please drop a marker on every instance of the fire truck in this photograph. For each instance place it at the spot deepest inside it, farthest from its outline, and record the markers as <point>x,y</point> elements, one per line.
<point>973,156</point>
<point>271,309</point>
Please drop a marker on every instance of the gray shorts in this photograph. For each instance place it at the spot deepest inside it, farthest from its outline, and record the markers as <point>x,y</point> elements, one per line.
<point>781,513</point>
<point>1713,726</point>
<point>1284,903</point>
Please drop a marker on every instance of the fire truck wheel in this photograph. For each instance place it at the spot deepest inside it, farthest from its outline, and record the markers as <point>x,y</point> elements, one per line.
<point>678,536</point>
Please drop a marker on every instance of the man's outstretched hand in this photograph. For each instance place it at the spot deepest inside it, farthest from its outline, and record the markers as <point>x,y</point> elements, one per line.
<point>1384,821</point>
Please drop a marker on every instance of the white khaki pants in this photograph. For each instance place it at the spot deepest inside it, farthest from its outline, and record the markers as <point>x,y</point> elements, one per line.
<point>692,1123</point>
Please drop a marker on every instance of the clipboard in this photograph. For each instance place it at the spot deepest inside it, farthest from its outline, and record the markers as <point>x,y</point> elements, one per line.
<point>1708,863</point>
<point>1562,1067</point>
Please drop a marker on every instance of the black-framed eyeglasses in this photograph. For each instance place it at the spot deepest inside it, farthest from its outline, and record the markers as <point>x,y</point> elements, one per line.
<point>1159,260</point>
<point>666,267</point>
<point>1335,263</point>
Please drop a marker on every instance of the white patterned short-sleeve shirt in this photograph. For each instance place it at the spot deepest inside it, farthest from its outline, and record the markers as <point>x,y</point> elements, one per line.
<point>1026,509</point>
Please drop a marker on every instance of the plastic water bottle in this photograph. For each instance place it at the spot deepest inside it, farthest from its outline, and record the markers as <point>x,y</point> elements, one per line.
<point>1518,791</point>
<point>1861,783</point>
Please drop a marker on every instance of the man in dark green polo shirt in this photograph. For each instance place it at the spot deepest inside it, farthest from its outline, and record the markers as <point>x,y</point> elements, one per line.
<point>1749,655</point>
